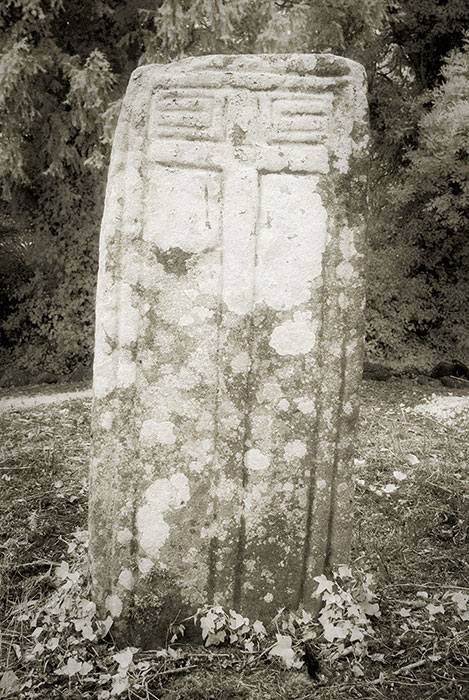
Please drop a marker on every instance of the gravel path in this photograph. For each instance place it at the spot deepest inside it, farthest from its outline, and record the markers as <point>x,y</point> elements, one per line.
<point>18,402</point>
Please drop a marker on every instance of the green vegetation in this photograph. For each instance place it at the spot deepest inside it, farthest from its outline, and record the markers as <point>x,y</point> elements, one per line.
<point>394,625</point>
<point>63,70</point>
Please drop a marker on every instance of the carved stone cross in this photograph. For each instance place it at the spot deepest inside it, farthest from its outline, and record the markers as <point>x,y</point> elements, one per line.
<point>229,336</point>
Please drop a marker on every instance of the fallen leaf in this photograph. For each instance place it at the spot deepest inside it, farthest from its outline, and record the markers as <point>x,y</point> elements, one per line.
<point>9,684</point>
<point>400,476</point>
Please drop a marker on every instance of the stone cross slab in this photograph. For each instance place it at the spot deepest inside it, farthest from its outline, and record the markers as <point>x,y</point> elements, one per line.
<point>228,339</point>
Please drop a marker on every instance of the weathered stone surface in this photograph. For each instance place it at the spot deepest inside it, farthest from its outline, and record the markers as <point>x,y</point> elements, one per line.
<point>229,337</point>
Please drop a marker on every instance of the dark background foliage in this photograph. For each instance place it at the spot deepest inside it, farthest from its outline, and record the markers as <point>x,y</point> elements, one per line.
<point>64,66</point>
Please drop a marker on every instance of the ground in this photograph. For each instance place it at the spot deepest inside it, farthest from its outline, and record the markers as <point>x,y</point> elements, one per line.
<point>410,533</point>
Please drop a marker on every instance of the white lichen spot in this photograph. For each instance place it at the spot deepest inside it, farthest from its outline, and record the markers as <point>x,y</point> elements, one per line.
<point>295,448</point>
<point>268,597</point>
<point>241,362</point>
<point>208,278</point>
<point>231,422</point>
<point>191,293</point>
<point>288,487</point>
<point>343,301</point>
<point>200,451</point>
<point>226,489</point>
<point>305,405</point>
<point>126,579</point>
<point>321,484</point>
<point>205,422</point>
<point>203,313</point>
<point>255,500</point>
<point>348,408</point>
<point>145,565</point>
<point>163,495</point>
<point>157,431</point>
<point>347,244</point>
<point>284,405</point>
<point>186,320</point>
<point>255,460</point>
<point>187,378</point>
<point>106,419</point>
<point>191,556</point>
<point>124,536</point>
<point>296,336</point>
<point>196,467</point>
<point>210,531</point>
<point>271,391</point>
<point>345,271</point>
<point>129,317</point>
<point>126,372</point>
<point>114,605</point>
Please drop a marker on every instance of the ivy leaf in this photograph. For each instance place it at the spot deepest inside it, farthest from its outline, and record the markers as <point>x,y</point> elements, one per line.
<point>371,609</point>
<point>174,653</point>
<point>207,623</point>
<point>339,631</point>
<point>215,638</point>
<point>461,599</point>
<point>124,658</point>
<point>237,621</point>
<point>103,626</point>
<point>119,685</point>
<point>87,633</point>
<point>357,635</point>
<point>86,667</point>
<point>323,585</point>
<point>72,666</point>
<point>259,628</point>
<point>62,571</point>
<point>283,649</point>
<point>434,609</point>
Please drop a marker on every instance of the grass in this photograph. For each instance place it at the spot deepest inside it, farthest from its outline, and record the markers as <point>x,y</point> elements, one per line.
<point>411,530</point>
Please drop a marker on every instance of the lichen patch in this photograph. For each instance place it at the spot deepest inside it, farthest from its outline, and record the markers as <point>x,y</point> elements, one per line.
<point>255,460</point>
<point>294,449</point>
<point>153,431</point>
<point>160,497</point>
<point>124,536</point>
<point>296,336</point>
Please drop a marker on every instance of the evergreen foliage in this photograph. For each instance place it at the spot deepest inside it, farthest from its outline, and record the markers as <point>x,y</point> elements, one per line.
<point>418,269</point>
